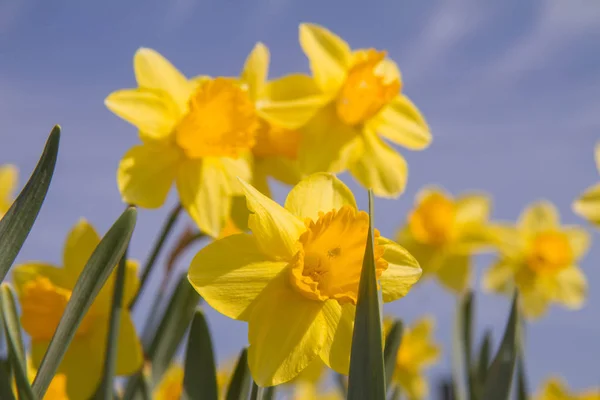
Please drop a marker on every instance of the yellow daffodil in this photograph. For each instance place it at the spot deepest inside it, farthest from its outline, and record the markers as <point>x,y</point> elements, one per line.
<point>555,389</point>
<point>306,386</point>
<point>362,106</point>
<point>197,133</point>
<point>8,182</point>
<point>44,291</point>
<point>588,205</point>
<point>57,390</point>
<point>442,233</point>
<point>295,278</point>
<point>170,386</point>
<point>540,257</point>
<point>417,351</point>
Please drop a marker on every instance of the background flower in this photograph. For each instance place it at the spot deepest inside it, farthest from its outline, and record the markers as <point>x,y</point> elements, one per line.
<point>8,182</point>
<point>588,205</point>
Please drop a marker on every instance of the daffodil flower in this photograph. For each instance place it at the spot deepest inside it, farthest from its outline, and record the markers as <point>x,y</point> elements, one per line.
<point>44,291</point>
<point>170,386</point>
<point>417,352</point>
<point>588,205</point>
<point>363,105</point>
<point>8,182</point>
<point>306,386</point>
<point>540,257</point>
<point>196,133</point>
<point>555,389</point>
<point>57,390</point>
<point>443,233</point>
<point>295,278</point>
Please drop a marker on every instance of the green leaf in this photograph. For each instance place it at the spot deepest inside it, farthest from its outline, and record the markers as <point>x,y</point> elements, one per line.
<point>18,220</point>
<point>390,352</point>
<point>239,387</point>
<point>461,347</point>
<point>262,393</point>
<point>254,391</point>
<point>484,359</point>
<point>6,380</point>
<point>499,378</point>
<point>95,273</point>
<point>367,375</point>
<point>522,387</point>
<point>16,350</point>
<point>200,377</point>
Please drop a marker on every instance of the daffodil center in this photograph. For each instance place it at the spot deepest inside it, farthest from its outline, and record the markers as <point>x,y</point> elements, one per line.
<point>550,252</point>
<point>432,222</point>
<point>273,141</point>
<point>221,121</point>
<point>366,89</point>
<point>43,305</point>
<point>329,262</point>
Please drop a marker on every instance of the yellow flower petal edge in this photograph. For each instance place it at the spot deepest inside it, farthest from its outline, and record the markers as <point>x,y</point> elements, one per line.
<point>8,182</point>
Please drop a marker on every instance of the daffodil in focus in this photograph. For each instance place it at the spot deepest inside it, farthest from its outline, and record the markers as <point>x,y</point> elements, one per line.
<point>295,278</point>
<point>307,385</point>
<point>8,182</point>
<point>443,232</point>
<point>196,133</point>
<point>555,389</point>
<point>417,352</point>
<point>363,105</point>
<point>588,205</point>
<point>44,291</point>
<point>540,257</point>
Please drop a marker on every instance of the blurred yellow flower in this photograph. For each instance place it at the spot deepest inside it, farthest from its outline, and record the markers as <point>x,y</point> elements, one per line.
<point>588,205</point>
<point>44,291</point>
<point>8,182</point>
<point>57,390</point>
<point>197,133</point>
<point>417,352</point>
<point>555,389</point>
<point>306,386</point>
<point>540,257</point>
<point>361,104</point>
<point>442,233</point>
<point>170,386</point>
<point>295,278</point>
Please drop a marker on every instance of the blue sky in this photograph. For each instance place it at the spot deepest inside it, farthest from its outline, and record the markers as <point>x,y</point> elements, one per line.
<point>510,89</point>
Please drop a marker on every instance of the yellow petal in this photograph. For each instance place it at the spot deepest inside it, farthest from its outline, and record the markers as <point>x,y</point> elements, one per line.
<point>291,101</point>
<point>340,327</point>
<point>230,273</point>
<point>130,357</point>
<point>153,113</point>
<point>534,304</point>
<point>23,273</point>
<point>415,385</point>
<point>153,71</point>
<point>539,216</point>
<point>402,272</point>
<point>282,169</point>
<point>455,272</point>
<point>234,169</point>
<point>380,168</point>
<point>499,277</point>
<point>588,205</point>
<point>276,229</point>
<point>8,181</point>
<point>320,192</point>
<point>146,174</point>
<point>286,332</point>
<point>205,193</point>
<point>132,285</point>
<point>81,243</point>
<point>429,257</point>
<point>256,69</point>
<point>554,389</point>
<point>328,54</point>
<point>579,240</point>
<point>472,208</point>
<point>572,287</point>
<point>402,123</point>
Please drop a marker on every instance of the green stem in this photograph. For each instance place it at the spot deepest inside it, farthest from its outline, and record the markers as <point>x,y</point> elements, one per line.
<point>170,222</point>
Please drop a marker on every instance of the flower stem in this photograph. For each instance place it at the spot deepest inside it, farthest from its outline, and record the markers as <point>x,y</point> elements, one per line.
<point>158,245</point>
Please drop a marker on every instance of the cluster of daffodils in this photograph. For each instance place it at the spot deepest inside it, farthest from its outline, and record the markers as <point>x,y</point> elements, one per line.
<point>292,271</point>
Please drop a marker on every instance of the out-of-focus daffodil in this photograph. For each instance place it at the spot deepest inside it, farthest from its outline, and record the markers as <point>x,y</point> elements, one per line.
<point>170,386</point>
<point>417,352</point>
<point>44,291</point>
<point>57,390</point>
<point>442,233</point>
<point>540,257</point>
<point>588,205</point>
<point>361,105</point>
<point>196,133</point>
<point>8,181</point>
<point>555,389</point>
<point>306,386</point>
<point>295,278</point>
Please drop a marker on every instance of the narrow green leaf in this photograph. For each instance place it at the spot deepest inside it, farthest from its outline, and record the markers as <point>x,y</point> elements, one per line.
<point>367,375</point>
<point>110,361</point>
<point>6,380</point>
<point>254,392</point>
<point>200,377</point>
<point>239,387</point>
<point>18,220</point>
<point>95,273</point>
<point>16,350</point>
<point>390,352</point>
<point>522,387</point>
<point>461,347</point>
<point>498,383</point>
<point>267,393</point>
<point>484,358</point>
